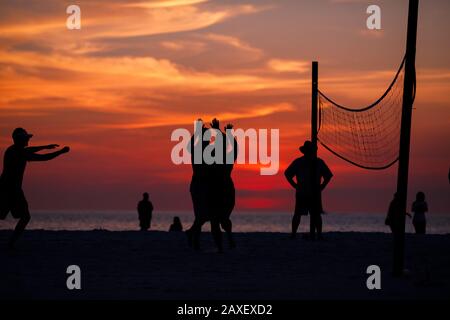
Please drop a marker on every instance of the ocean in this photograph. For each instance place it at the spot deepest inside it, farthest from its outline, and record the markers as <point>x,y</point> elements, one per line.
<point>242,221</point>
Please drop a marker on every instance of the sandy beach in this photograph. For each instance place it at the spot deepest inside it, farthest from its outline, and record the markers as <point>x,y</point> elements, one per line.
<point>159,265</point>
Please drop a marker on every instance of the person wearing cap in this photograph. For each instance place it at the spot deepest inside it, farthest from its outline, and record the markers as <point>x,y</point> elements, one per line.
<point>305,201</point>
<point>12,197</point>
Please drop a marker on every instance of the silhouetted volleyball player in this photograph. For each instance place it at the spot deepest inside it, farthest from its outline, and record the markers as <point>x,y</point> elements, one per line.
<point>145,212</point>
<point>228,191</point>
<point>12,198</point>
<point>301,169</point>
<point>221,192</point>
<point>213,191</point>
<point>199,184</point>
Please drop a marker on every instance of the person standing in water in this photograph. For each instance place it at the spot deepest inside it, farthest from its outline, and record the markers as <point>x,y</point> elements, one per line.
<point>145,212</point>
<point>12,197</point>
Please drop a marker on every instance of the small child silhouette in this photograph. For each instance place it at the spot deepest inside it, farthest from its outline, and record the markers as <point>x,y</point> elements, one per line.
<point>176,225</point>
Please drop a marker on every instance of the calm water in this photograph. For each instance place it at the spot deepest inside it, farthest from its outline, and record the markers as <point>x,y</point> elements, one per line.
<point>242,222</point>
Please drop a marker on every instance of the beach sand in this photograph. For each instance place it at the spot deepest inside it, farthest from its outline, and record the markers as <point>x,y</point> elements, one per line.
<point>159,265</point>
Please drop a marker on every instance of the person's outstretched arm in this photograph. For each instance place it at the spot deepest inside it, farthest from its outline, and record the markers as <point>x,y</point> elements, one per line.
<point>34,149</point>
<point>32,156</point>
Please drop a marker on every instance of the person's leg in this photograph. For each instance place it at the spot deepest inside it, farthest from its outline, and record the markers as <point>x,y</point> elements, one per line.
<point>217,233</point>
<point>312,225</point>
<point>295,224</point>
<point>19,210</point>
<point>194,233</point>
<point>229,203</point>
<point>227,225</point>
<point>20,228</point>
<point>318,224</point>
<point>4,206</point>
<point>421,228</point>
<point>3,213</point>
<point>300,209</point>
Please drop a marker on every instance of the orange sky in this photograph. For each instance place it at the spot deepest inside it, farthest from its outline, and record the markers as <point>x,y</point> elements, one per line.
<point>116,89</point>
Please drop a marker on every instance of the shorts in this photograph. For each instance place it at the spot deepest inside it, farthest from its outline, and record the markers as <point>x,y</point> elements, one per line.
<point>304,204</point>
<point>13,201</point>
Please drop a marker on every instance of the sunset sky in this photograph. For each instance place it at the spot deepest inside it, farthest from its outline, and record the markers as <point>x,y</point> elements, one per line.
<point>116,89</point>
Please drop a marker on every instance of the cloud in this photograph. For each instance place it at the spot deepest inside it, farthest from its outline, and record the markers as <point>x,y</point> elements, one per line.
<point>233,42</point>
<point>183,119</point>
<point>116,20</point>
<point>289,65</point>
<point>164,3</point>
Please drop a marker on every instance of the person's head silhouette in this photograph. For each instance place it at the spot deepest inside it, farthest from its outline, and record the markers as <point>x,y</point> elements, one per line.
<point>21,137</point>
<point>307,148</point>
<point>145,196</point>
<point>420,196</point>
<point>215,124</point>
<point>176,220</point>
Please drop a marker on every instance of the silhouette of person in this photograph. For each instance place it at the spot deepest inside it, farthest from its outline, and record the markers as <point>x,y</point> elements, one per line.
<point>198,186</point>
<point>305,201</point>
<point>394,208</point>
<point>212,191</point>
<point>12,197</point>
<point>145,211</point>
<point>419,207</point>
<point>176,226</point>
<point>223,182</point>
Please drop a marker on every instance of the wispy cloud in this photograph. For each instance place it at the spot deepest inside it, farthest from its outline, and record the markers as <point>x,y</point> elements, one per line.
<point>164,3</point>
<point>233,42</point>
<point>289,65</point>
<point>174,119</point>
<point>116,20</point>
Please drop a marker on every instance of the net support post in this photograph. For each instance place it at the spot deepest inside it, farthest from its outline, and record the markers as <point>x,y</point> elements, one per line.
<point>405,139</point>
<point>314,117</point>
<point>314,104</point>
